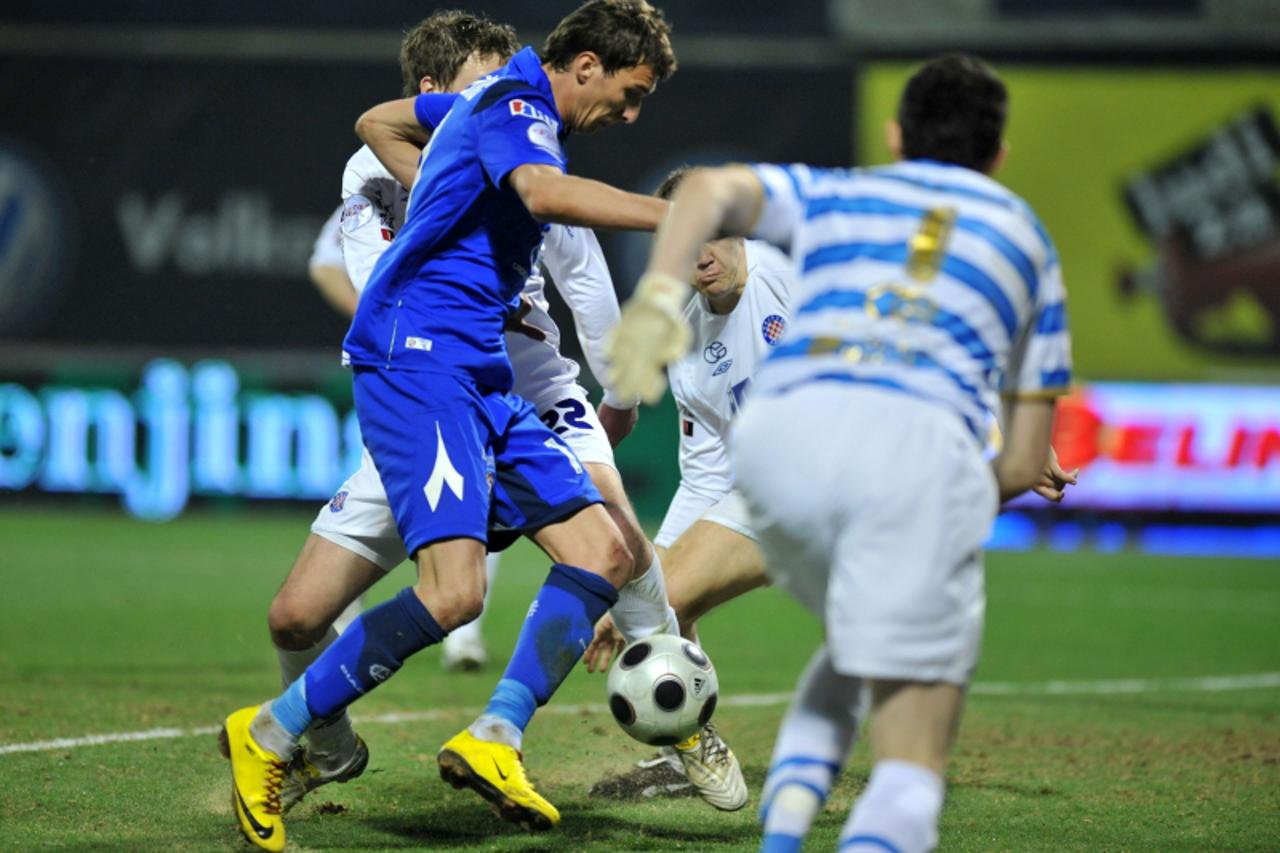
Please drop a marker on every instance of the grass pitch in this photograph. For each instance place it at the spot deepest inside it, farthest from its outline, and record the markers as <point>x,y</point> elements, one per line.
<point>109,625</point>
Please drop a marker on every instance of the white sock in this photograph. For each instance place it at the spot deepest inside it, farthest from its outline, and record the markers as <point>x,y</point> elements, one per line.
<point>642,608</point>
<point>270,735</point>
<point>899,810</point>
<point>347,616</point>
<point>491,727</point>
<point>331,741</point>
<point>813,743</point>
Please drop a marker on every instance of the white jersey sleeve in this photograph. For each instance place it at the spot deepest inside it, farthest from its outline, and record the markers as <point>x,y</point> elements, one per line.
<point>1040,364</point>
<point>577,266</point>
<point>327,251</point>
<point>373,209</point>
<point>784,203</point>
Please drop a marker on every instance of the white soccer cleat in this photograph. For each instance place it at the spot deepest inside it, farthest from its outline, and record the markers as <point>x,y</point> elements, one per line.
<point>463,652</point>
<point>713,769</point>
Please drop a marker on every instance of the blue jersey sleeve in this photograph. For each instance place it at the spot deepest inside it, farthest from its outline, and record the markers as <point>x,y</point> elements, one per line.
<point>517,130</point>
<point>432,107</point>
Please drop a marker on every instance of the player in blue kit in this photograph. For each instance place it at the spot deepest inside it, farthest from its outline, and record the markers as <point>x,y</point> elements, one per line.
<point>430,363</point>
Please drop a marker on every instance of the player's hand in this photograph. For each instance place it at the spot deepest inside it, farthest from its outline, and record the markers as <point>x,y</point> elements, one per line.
<point>617,423</point>
<point>651,334</point>
<point>1053,482</point>
<point>604,645</point>
<point>516,323</point>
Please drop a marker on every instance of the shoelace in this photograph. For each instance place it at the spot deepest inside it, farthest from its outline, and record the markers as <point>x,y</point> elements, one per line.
<point>714,747</point>
<point>275,781</point>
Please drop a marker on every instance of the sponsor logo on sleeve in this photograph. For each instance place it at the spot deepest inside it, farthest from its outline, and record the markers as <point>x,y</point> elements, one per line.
<point>542,136</point>
<point>339,501</point>
<point>520,107</point>
<point>357,210</point>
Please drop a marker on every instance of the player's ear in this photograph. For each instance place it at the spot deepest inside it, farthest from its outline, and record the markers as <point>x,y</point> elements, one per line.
<point>893,138</point>
<point>426,85</point>
<point>998,160</point>
<point>586,65</point>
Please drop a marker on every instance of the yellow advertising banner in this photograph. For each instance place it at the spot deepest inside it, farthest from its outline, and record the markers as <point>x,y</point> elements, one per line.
<point>1144,306</point>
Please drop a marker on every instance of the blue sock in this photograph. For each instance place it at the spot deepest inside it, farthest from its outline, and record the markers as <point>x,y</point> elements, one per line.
<point>559,626</point>
<point>776,842</point>
<point>369,652</point>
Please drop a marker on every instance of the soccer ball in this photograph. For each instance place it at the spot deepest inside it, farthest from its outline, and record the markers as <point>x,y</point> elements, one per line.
<point>662,689</point>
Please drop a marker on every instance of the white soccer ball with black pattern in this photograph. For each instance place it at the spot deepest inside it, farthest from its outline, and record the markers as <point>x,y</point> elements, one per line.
<point>662,689</point>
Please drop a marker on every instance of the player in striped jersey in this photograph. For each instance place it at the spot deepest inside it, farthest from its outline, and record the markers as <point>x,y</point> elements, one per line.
<point>927,292</point>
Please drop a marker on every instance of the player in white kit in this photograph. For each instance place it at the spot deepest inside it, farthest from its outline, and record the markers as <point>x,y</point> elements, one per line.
<point>929,295</point>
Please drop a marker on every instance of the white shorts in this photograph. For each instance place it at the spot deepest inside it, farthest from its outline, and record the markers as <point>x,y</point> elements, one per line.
<point>688,506</point>
<point>359,518</point>
<point>876,527</point>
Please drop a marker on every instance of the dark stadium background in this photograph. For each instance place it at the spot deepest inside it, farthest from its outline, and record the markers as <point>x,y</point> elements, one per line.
<point>166,168</point>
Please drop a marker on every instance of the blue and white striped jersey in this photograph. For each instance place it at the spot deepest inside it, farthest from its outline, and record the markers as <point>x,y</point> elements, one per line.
<point>923,277</point>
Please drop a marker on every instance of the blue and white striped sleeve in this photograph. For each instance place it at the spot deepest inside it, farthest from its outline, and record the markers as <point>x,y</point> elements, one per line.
<point>1041,366</point>
<point>784,202</point>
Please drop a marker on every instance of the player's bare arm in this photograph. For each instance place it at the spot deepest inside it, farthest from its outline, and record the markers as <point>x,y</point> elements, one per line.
<point>392,132</point>
<point>332,282</point>
<point>1029,425</point>
<point>552,196</point>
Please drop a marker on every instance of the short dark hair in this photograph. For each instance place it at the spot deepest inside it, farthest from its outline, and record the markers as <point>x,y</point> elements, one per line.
<point>667,188</point>
<point>953,110</point>
<point>441,42</point>
<point>623,33</point>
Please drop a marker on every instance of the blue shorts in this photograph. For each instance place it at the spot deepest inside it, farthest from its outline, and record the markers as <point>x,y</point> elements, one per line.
<point>458,462</point>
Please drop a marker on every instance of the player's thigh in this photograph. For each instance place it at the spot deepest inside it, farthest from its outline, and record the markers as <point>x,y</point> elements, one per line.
<point>567,411</point>
<point>359,518</point>
<point>709,565</point>
<point>325,578</point>
<point>609,483</point>
<point>914,721</point>
<point>429,436</point>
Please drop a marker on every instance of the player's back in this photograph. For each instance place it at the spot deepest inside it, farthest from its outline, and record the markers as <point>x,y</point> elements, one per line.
<point>437,298</point>
<point>922,276</point>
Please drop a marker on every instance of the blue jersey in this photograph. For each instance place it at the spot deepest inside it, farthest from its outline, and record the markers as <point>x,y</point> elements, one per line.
<point>438,297</point>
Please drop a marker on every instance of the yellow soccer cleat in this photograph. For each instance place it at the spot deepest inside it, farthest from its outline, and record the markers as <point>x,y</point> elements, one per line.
<point>495,771</point>
<point>256,778</point>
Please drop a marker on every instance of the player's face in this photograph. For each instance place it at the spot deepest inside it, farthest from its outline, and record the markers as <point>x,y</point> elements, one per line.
<point>721,267</point>
<point>615,98</point>
<point>474,68</point>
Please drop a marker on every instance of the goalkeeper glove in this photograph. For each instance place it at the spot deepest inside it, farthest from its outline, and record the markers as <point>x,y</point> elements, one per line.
<point>651,334</point>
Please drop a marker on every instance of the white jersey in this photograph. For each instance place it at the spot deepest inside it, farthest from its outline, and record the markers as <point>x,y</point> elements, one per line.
<point>712,380</point>
<point>921,277</point>
<point>373,209</point>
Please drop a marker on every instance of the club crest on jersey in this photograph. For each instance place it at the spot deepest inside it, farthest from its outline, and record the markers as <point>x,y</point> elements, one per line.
<point>723,367</point>
<point>339,501</point>
<point>714,351</point>
<point>772,328</point>
<point>519,107</point>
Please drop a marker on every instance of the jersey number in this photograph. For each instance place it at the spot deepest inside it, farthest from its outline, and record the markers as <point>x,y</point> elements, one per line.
<point>565,415</point>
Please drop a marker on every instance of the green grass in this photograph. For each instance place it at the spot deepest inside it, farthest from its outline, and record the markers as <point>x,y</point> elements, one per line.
<point>112,625</point>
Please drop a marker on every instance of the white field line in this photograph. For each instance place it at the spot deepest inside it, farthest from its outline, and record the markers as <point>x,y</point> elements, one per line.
<point>1209,684</point>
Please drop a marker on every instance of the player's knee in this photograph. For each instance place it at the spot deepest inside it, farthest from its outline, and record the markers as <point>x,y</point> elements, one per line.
<point>294,628</point>
<point>455,606</point>
<point>614,560</point>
